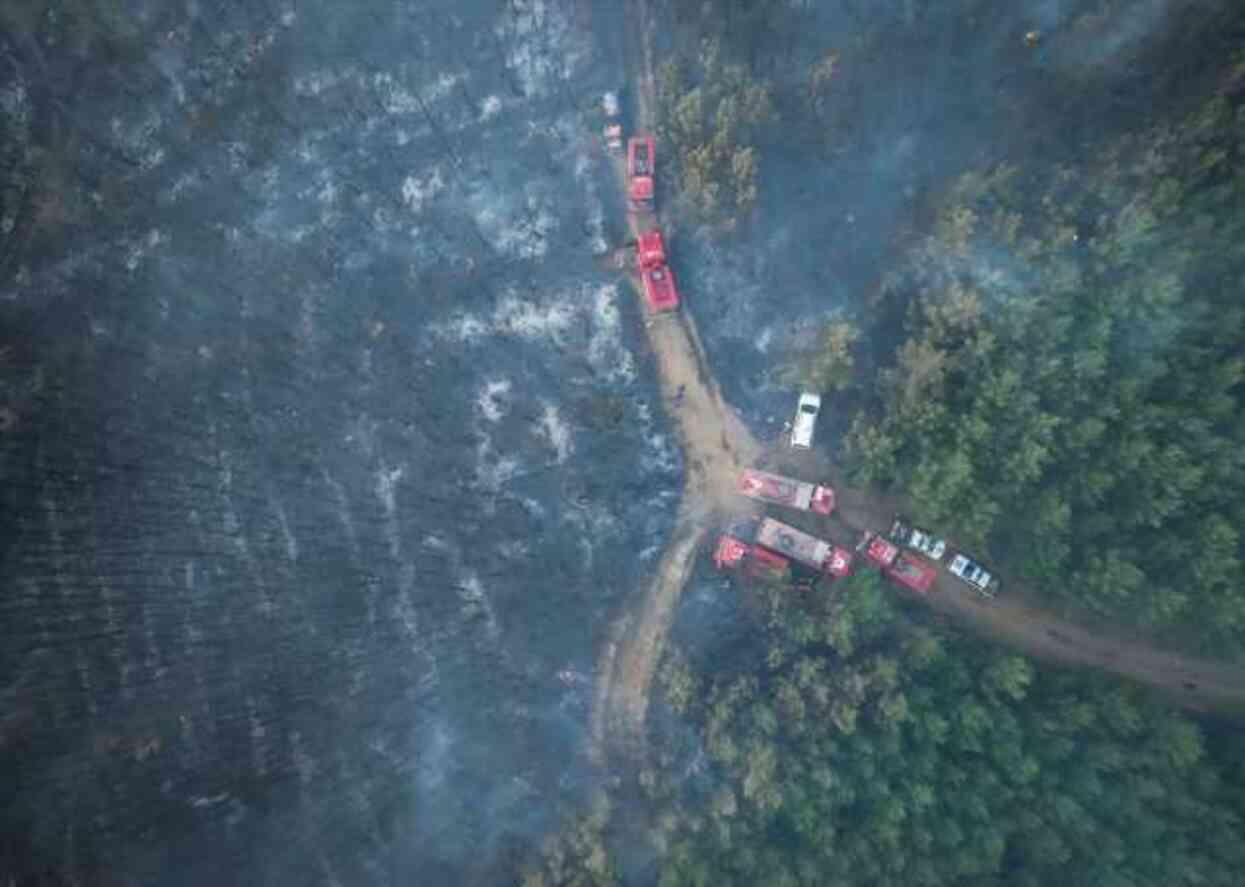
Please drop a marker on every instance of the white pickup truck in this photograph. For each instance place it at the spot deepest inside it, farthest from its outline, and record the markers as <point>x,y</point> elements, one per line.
<point>613,123</point>
<point>805,420</point>
<point>974,574</point>
<point>917,539</point>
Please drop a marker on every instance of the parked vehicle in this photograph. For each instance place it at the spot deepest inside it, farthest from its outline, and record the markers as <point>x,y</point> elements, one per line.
<point>840,562</point>
<point>640,164</point>
<point>909,571</point>
<point>919,540</point>
<point>734,554</point>
<point>778,490</point>
<point>974,574</point>
<point>879,551</point>
<point>614,138</point>
<point>660,292</point>
<point>814,553</point>
<point>805,420</point>
<point>914,573</point>
<point>613,125</point>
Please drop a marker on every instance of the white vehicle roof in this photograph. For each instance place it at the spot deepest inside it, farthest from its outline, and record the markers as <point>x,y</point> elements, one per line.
<point>805,420</point>
<point>970,571</point>
<point>929,544</point>
<point>609,102</point>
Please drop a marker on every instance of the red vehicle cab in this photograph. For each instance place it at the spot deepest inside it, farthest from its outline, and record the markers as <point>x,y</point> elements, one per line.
<point>778,490</point>
<point>839,564</point>
<point>908,570</point>
<point>651,249</point>
<point>767,563</point>
<point>878,550</point>
<point>660,290</point>
<point>640,154</point>
<point>913,573</point>
<point>732,553</point>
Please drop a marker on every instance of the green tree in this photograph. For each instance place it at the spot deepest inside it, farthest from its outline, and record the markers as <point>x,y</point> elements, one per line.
<point>1071,421</point>
<point>714,127</point>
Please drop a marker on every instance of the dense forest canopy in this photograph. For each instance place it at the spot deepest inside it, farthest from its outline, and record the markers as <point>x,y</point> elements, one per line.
<point>856,747</point>
<point>1067,395</point>
<point>842,741</point>
<point>712,128</point>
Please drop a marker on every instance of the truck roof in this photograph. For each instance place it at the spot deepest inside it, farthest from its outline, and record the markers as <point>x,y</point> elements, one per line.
<point>733,553</point>
<point>795,544</point>
<point>972,572</point>
<point>640,150</point>
<point>640,162</point>
<point>730,552</point>
<point>651,249</point>
<point>840,562</point>
<point>915,574</point>
<point>774,488</point>
<point>763,561</point>
<point>879,550</point>
<point>659,288</point>
<point>805,421</point>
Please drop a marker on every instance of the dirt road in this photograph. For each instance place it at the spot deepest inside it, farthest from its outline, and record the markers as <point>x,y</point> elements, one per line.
<point>1015,619</point>
<point>716,444</point>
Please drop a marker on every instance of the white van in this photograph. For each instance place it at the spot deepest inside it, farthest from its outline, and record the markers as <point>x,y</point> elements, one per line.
<point>805,421</point>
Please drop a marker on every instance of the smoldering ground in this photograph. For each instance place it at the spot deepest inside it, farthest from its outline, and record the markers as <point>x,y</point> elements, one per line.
<point>328,448</point>
<point>332,446</point>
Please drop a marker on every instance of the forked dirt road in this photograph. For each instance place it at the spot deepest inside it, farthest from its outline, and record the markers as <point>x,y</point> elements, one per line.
<point>1016,619</point>
<point>716,444</point>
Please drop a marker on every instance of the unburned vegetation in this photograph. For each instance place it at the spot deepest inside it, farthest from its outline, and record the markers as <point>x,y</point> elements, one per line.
<point>840,740</point>
<point>1067,394</point>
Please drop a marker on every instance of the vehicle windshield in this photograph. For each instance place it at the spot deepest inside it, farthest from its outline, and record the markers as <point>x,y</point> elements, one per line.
<point>808,408</point>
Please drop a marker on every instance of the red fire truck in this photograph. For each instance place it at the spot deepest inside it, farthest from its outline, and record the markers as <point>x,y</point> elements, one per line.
<point>778,490</point>
<point>733,553</point>
<point>640,162</point>
<point>660,292</point>
<point>817,554</point>
<point>908,570</point>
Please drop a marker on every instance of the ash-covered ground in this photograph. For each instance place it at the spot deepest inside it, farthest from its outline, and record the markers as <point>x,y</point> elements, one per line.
<point>330,443</point>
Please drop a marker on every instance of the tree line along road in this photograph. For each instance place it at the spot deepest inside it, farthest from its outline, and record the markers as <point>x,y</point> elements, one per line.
<point>716,445</point>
